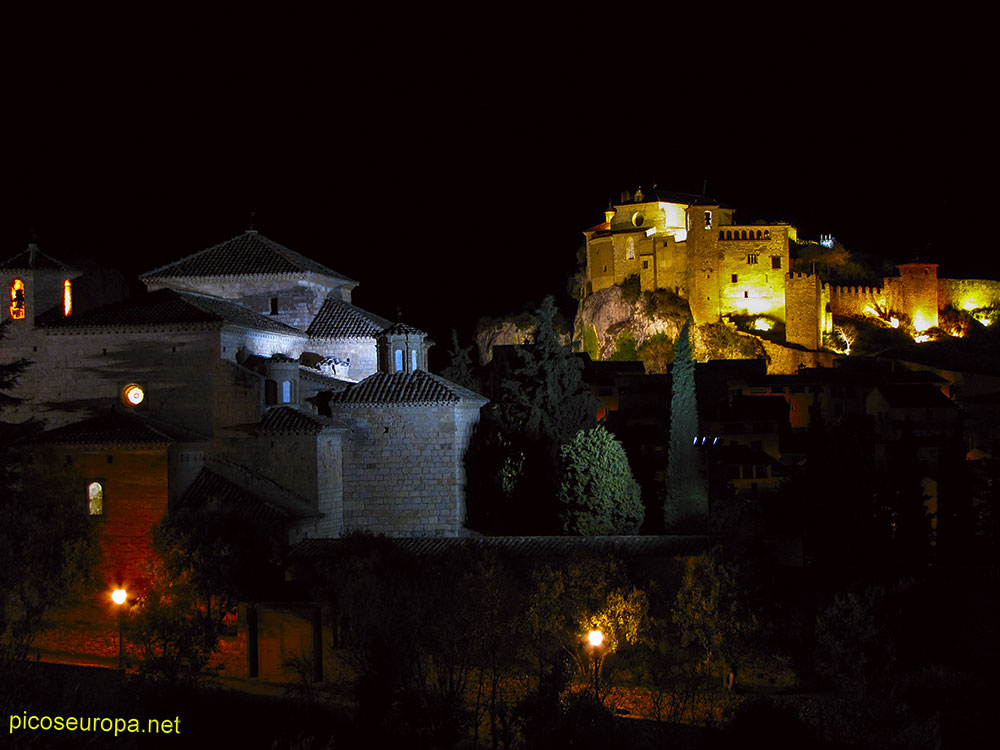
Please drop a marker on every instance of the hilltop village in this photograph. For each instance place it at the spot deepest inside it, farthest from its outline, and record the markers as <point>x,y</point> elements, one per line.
<point>246,376</point>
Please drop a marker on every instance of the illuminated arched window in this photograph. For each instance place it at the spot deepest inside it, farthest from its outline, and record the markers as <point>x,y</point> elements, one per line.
<point>17,299</point>
<point>95,498</point>
<point>286,391</point>
<point>67,298</point>
<point>398,360</point>
<point>413,360</point>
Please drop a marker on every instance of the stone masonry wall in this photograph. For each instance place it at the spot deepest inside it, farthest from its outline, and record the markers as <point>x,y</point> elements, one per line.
<point>135,498</point>
<point>967,294</point>
<point>403,469</point>
<point>362,352</point>
<point>855,300</point>
<point>75,375</point>
<point>804,310</point>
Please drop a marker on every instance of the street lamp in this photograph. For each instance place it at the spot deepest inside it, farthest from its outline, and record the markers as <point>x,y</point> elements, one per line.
<point>119,597</point>
<point>595,638</point>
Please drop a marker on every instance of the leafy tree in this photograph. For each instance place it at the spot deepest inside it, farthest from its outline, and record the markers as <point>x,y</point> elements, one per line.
<point>856,640</point>
<point>539,401</point>
<point>207,559</point>
<point>567,603</point>
<point>687,502</point>
<point>598,494</point>
<point>459,369</point>
<point>718,610</point>
<point>47,543</point>
<point>543,396</point>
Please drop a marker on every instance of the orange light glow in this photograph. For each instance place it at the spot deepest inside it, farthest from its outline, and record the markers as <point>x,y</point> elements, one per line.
<point>118,596</point>
<point>17,300</point>
<point>595,638</point>
<point>132,394</point>
<point>67,298</point>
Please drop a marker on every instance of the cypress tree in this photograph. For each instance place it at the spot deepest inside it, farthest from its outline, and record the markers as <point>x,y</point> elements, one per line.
<point>686,508</point>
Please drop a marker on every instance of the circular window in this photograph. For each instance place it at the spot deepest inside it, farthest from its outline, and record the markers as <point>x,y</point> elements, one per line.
<point>637,219</point>
<point>133,394</point>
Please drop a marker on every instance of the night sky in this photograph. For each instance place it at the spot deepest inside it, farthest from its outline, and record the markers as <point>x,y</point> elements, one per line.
<point>449,165</point>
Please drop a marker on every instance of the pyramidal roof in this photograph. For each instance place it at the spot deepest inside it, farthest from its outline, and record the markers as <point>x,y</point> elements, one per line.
<point>33,258</point>
<point>337,319</point>
<point>249,254</point>
<point>109,428</point>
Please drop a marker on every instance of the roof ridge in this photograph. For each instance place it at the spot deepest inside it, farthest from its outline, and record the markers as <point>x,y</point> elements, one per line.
<point>249,244</point>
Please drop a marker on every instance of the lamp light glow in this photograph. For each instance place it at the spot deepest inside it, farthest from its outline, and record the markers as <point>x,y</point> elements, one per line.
<point>118,596</point>
<point>595,638</point>
<point>133,394</point>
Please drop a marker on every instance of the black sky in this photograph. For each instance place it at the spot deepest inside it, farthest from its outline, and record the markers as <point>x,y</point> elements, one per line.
<point>450,164</point>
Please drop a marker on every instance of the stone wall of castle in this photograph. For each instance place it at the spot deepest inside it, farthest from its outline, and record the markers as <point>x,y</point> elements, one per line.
<point>915,293</point>
<point>856,301</point>
<point>806,300</point>
<point>752,274</point>
<point>784,360</point>
<point>403,468</point>
<point>967,294</point>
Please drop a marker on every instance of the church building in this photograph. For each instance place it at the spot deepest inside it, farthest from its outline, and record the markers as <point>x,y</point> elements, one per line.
<point>244,373</point>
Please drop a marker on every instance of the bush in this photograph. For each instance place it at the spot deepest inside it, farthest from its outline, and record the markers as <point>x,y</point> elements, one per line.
<point>631,289</point>
<point>597,494</point>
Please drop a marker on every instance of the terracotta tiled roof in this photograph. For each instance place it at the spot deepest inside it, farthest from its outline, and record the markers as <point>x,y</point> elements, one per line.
<point>168,307</point>
<point>249,490</point>
<point>209,486</point>
<point>339,319</point>
<point>249,254</point>
<point>110,428</point>
<point>403,389</point>
<point>32,258</point>
<point>403,329</point>
<point>289,420</point>
<point>541,547</point>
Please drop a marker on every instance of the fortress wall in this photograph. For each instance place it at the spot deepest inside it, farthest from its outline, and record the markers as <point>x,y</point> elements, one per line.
<point>852,300</point>
<point>783,360</point>
<point>967,294</point>
<point>805,306</point>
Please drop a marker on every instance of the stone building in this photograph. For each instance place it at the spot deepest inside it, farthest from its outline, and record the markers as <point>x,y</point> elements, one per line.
<point>245,373</point>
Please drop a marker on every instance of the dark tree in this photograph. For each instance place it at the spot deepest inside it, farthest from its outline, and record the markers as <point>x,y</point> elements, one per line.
<point>687,500</point>
<point>538,402</point>
<point>459,369</point>
<point>208,559</point>
<point>47,546</point>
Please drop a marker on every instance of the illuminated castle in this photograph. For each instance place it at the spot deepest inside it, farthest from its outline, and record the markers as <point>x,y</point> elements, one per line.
<point>690,245</point>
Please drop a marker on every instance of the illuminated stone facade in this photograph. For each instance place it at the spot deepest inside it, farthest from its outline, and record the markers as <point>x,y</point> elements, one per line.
<point>695,250</point>
<point>259,374</point>
<point>692,247</point>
